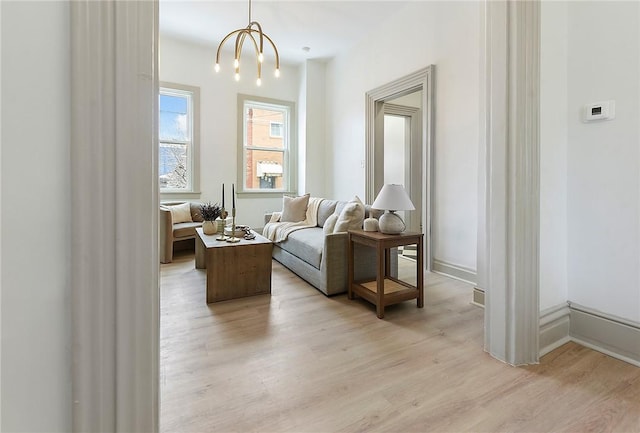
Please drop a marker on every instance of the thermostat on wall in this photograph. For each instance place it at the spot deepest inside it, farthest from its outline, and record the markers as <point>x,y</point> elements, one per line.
<point>605,110</point>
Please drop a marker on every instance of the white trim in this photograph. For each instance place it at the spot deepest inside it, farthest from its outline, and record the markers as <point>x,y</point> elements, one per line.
<point>0,226</point>
<point>424,80</point>
<point>114,262</point>
<point>605,333</point>
<point>554,328</point>
<point>511,221</point>
<point>458,272</point>
<point>194,160</point>
<point>290,151</point>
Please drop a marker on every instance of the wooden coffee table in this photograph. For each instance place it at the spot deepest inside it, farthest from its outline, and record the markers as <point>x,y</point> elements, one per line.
<point>234,270</point>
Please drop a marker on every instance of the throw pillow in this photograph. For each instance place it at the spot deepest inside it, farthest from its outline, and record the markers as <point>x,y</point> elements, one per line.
<point>330,224</point>
<point>294,209</point>
<point>181,213</point>
<point>351,217</point>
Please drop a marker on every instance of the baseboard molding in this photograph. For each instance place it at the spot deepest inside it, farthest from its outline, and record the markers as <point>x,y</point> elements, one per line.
<point>454,271</point>
<point>605,333</point>
<point>613,336</point>
<point>554,328</point>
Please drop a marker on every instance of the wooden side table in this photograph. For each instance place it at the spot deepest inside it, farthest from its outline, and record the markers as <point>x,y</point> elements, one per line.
<point>385,289</point>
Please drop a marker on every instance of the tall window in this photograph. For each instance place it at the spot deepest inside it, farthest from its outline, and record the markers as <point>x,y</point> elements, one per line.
<point>268,144</point>
<point>178,137</point>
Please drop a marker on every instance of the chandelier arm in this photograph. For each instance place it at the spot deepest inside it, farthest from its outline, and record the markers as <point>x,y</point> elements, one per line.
<point>223,41</point>
<point>275,50</point>
<point>257,24</point>
<point>239,42</point>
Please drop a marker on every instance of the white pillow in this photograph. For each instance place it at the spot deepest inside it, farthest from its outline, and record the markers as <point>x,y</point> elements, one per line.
<point>330,224</point>
<point>294,209</point>
<point>181,213</point>
<point>351,217</point>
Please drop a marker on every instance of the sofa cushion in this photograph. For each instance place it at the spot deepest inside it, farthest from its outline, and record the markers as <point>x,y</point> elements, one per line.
<point>351,216</point>
<point>325,210</point>
<point>330,224</point>
<point>182,230</point>
<point>306,244</point>
<point>180,213</point>
<point>294,209</point>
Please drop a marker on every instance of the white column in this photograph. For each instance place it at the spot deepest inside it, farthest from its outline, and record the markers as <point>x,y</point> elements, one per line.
<point>114,263</point>
<point>511,219</point>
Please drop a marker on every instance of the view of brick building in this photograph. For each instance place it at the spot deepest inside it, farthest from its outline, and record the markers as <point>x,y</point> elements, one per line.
<point>264,148</point>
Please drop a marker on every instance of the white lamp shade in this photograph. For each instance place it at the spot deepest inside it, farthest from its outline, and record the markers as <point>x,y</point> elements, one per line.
<point>393,197</point>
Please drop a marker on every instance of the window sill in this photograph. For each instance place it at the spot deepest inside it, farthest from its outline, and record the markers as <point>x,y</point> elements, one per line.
<point>264,194</point>
<point>173,195</point>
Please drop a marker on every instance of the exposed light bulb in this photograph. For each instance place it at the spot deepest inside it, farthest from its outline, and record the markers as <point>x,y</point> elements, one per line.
<point>260,58</point>
<point>258,82</point>
<point>236,63</point>
<point>217,67</point>
<point>237,76</point>
<point>277,73</point>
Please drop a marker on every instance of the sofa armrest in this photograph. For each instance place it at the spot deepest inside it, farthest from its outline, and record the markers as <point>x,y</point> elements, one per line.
<point>166,235</point>
<point>267,217</point>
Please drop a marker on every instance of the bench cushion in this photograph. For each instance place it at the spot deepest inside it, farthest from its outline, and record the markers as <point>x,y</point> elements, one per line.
<point>182,230</point>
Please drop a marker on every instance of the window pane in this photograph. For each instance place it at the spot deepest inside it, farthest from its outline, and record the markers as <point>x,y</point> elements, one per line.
<point>173,118</point>
<point>264,169</point>
<point>173,168</point>
<point>258,123</point>
<point>276,129</point>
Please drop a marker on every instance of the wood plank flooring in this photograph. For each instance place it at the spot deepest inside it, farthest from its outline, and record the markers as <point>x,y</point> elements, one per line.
<point>297,361</point>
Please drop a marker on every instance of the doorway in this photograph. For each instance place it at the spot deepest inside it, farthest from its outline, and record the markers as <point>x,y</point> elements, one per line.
<point>399,146</point>
<point>402,152</point>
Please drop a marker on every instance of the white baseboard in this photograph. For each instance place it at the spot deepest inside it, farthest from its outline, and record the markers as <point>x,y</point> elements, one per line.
<point>605,333</point>
<point>554,328</point>
<point>454,271</point>
<point>613,336</point>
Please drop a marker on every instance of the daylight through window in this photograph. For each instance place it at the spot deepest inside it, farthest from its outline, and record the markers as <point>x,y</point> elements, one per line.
<point>178,150</point>
<point>267,145</point>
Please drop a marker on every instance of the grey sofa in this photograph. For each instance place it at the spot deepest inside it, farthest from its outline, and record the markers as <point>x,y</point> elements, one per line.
<point>171,233</point>
<point>322,260</point>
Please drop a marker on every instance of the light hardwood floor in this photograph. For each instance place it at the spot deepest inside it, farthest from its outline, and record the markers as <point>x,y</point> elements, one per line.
<point>297,361</point>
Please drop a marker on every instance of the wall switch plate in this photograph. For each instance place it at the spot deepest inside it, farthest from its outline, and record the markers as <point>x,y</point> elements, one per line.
<point>605,110</point>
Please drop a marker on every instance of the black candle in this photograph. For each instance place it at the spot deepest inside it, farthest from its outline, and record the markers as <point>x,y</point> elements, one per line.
<point>223,196</point>
<point>233,195</point>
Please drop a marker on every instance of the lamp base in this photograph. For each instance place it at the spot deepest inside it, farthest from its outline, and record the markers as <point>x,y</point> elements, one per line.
<point>390,223</point>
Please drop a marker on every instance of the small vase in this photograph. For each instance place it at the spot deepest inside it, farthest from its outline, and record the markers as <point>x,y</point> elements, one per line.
<point>209,228</point>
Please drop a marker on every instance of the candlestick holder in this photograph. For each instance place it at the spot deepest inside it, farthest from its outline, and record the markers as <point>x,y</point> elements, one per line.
<point>233,238</point>
<point>223,216</point>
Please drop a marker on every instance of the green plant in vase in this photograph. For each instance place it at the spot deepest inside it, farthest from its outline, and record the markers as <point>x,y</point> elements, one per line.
<point>210,212</point>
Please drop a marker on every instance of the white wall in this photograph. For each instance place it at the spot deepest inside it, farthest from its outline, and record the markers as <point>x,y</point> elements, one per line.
<point>553,154</point>
<point>187,63</point>
<point>36,324</point>
<point>442,33</point>
<point>603,189</point>
<point>312,176</point>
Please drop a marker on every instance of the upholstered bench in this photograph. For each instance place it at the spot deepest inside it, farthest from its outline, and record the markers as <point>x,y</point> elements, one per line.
<point>178,222</point>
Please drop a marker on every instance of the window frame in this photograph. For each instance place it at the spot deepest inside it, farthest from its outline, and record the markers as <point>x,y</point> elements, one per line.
<point>290,151</point>
<point>193,147</point>
<point>271,123</point>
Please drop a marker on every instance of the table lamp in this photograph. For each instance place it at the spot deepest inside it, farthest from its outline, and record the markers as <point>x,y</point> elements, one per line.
<point>392,198</point>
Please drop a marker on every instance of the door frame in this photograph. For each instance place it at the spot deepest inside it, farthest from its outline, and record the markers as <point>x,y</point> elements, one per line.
<point>422,79</point>
<point>413,156</point>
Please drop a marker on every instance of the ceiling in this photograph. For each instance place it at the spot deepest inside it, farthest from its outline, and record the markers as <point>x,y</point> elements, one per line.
<point>326,27</point>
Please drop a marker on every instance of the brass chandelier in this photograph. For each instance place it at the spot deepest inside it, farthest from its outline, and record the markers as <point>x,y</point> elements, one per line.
<point>253,31</point>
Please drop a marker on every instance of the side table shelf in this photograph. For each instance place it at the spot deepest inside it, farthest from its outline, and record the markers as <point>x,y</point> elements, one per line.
<point>385,289</point>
